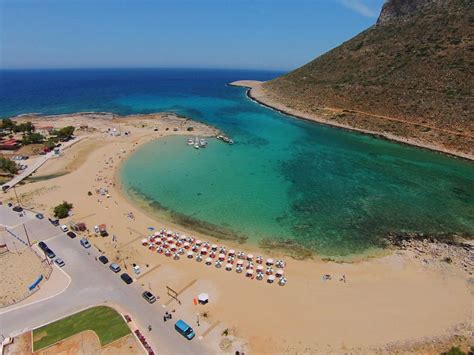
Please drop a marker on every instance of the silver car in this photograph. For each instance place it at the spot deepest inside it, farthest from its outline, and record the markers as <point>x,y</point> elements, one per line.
<point>60,262</point>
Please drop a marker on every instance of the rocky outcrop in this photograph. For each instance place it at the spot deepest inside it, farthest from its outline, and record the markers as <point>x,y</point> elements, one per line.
<point>395,9</point>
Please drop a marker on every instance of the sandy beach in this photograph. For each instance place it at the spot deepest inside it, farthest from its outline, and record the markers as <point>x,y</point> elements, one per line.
<point>257,92</point>
<point>400,302</point>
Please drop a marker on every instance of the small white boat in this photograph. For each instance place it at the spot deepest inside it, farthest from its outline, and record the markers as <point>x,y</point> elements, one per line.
<point>203,143</point>
<point>190,141</point>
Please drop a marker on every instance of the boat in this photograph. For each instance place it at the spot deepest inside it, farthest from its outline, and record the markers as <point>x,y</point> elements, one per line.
<point>196,143</point>
<point>190,141</point>
<point>203,143</point>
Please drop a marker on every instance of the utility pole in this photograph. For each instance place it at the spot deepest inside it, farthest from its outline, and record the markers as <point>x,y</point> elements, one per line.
<point>27,236</point>
<point>17,199</point>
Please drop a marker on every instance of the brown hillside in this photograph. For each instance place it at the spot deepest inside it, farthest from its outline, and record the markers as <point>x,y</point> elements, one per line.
<point>410,76</point>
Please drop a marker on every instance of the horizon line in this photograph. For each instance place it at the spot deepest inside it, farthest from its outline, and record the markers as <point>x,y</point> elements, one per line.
<point>144,68</point>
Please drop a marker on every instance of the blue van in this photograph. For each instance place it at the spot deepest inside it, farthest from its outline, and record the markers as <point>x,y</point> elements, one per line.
<point>184,329</point>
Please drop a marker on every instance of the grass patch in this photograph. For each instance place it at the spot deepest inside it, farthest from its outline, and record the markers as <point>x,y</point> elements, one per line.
<point>104,321</point>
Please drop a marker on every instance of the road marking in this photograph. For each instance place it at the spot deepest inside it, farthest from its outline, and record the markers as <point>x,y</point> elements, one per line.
<point>85,217</point>
<point>208,330</point>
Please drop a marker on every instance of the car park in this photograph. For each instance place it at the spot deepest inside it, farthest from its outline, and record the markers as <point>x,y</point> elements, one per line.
<point>149,297</point>
<point>39,215</point>
<point>71,234</point>
<point>42,246</point>
<point>115,267</point>
<point>184,329</point>
<point>64,228</point>
<point>60,262</point>
<point>103,259</point>
<point>18,209</point>
<point>85,243</point>
<point>49,253</point>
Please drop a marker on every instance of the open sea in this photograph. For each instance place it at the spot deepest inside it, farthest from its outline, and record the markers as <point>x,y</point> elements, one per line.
<point>332,191</point>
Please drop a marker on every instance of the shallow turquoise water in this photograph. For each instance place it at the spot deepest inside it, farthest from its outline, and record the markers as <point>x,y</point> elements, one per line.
<point>333,191</point>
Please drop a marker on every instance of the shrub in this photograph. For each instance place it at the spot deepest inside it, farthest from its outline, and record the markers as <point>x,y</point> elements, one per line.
<point>62,210</point>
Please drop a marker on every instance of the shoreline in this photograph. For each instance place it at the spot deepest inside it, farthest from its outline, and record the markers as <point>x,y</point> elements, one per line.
<point>251,86</point>
<point>307,315</point>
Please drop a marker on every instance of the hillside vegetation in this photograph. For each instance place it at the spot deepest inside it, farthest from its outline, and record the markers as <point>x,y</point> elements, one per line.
<point>410,76</point>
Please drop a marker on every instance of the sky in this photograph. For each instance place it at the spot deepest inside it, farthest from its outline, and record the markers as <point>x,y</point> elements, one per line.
<point>237,34</point>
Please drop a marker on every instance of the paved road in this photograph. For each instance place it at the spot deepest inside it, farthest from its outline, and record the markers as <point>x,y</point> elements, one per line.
<point>94,283</point>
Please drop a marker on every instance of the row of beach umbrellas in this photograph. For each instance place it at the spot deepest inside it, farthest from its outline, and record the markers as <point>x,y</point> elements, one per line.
<point>175,245</point>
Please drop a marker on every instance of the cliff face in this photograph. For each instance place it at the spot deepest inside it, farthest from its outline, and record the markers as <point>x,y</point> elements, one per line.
<point>414,67</point>
<point>396,9</point>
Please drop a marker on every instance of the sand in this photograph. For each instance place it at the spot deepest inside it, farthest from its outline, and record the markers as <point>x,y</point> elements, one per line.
<point>258,93</point>
<point>18,271</point>
<point>392,303</point>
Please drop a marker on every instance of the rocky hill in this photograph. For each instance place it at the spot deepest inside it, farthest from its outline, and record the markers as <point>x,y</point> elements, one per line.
<point>409,76</point>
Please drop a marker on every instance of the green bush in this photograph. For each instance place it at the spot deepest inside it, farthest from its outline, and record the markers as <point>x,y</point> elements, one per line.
<point>455,350</point>
<point>62,210</point>
<point>8,166</point>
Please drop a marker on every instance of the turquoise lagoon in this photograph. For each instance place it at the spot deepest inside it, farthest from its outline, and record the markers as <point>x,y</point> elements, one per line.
<point>332,191</point>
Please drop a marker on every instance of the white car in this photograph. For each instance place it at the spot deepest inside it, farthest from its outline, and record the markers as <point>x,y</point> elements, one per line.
<point>59,262</point>
<point>64,228</point>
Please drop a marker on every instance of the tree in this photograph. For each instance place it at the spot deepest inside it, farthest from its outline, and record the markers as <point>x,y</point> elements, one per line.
<point>8,124</point>
<point>62,210</point>
<point>8,166</point>
<point>32,138</point>
<point>65,132</point>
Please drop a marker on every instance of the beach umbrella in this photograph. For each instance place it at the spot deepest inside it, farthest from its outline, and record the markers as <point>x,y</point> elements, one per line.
<point>269,262</point>
<point>186,245</point>
<point>144,242</point>
<point>218,264</point>
<point>240,262</point>
<point>195,248</point>
<point>198,242</point>
<point>212,254</point>
<point>259,276</point>
<point>173,248</point>
<point>214,247</point>
<point>190,254</point>
<point>203,298</point>
<point>231,252</point>
<point>238,269</point>
<point>249,257</point>
<point>270,279</point>
<point>199,258</point>
<point>170,240</point>
<point>249,273</point>
<point>208,261</point>
<point>167,252</point>
<point>259,259</point>
<point>228,267</point>
<point>282,281</point>
<point>203,251</point>
<point>180,251</point>
<point>159,250</point>
<point>169,232</point>
<point>279,273</point>
<point>221,257</point>
<point>259,268</point>
<point>269,271</point>
<point>176,256</point>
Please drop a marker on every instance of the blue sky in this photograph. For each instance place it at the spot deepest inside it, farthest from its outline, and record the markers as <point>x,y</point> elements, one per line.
<point>258,34</point>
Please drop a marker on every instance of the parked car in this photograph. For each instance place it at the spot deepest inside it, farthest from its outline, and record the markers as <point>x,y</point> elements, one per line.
<point>39,216</point>
<point>126,278</point>
<point>184,329</point>
<point>71,235</point>
<point>42,246</point>
<point>5,187</point>
<point>60,262</point>
<point>115,267</point>
<point>18,209</point>
<point>54,222</point>
<point>85,243</point>
<point>149,297</point>
<point>64,228</point>
<point>10,204</point>
<point>49,253</point>
<point>103,259</point>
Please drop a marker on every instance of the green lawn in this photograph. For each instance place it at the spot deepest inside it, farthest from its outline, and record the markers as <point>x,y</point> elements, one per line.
<point>104,321</point>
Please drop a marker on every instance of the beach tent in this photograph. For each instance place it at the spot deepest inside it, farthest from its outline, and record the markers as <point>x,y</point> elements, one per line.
<point>203,298</point>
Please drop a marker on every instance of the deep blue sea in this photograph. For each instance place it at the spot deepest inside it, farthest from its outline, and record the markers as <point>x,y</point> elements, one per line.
<point>332,191</point>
